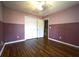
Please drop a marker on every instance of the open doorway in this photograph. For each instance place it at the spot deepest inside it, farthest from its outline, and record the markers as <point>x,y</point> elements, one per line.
<point>46,28</point>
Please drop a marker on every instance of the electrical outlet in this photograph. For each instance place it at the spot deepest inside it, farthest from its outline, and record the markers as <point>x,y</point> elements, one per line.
<point>60,37</point>
<point>1,43</point>
<point>18,36</point>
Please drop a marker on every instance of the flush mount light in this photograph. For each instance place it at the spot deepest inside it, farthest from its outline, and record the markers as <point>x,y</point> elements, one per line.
<point>40,5</point>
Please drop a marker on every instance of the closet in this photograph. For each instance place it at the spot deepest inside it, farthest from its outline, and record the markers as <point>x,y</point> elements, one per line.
<point>34,27</point>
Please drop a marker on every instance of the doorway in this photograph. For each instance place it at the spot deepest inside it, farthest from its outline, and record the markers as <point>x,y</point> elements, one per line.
<point>46,28</point>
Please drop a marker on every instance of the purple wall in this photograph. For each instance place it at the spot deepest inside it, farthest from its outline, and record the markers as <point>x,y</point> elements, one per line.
<point>65,23</point>
<point>1,34</point>
<point>12,31</point>
<point>69,32</point>
<point>1,26</point>
<point>13,24</point>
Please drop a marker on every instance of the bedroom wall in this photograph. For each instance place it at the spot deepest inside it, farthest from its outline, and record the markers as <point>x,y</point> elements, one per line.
<point>64,25</point>
<point>14,24</point>
<point>1,27</point>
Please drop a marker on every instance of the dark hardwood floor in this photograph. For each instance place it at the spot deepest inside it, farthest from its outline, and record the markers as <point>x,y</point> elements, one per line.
<point>39,48</point>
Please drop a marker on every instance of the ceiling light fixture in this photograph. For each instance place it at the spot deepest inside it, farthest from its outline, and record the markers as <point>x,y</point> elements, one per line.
<point>41,4</point>
<point>38,4</point>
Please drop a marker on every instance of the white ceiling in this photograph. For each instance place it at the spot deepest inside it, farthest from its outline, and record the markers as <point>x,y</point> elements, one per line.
<point>25,6</point>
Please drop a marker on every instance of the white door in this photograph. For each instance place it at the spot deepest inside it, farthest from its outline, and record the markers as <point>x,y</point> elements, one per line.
<point>34,27</point>
<point>30,27</point>
<point>40,26</point>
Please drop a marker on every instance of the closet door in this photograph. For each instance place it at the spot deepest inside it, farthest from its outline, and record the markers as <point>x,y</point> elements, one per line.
<point>40,27</point>
<point>30,27</point>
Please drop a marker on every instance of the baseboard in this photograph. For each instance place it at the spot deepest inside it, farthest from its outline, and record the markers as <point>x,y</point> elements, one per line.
<point>9,43</point>
<point>64,43</point>
<point>2,49</point>
<point>15,41</point>
<point>20,40</point>
<point>48,38</point>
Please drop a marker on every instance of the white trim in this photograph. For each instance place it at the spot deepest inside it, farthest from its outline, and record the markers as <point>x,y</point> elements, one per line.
<point>10,43</point>
<point>15,41</point>
<point>48,38</point>
<point>64,43</point>
<point>48,28</point>
<point>2,49</point>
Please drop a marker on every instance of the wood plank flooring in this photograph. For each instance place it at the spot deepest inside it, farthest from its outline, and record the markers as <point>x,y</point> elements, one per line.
<point>39,48</point>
